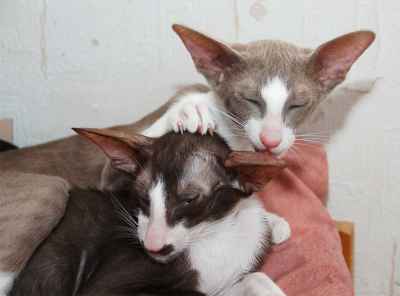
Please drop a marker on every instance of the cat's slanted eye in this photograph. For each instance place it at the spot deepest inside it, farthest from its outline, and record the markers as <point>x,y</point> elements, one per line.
<point>190,198</point>
<point>254,102</point>
<point>296,106</point>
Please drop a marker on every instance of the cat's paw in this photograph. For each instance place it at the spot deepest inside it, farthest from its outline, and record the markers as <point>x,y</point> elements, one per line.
<point>280,231</point>
<point>192,114</point>
<point>259,284</point>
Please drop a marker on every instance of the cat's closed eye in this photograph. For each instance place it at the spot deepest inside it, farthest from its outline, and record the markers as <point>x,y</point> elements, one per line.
<point>255,103</point>
<point>188,199</point>
<point>295,106</point>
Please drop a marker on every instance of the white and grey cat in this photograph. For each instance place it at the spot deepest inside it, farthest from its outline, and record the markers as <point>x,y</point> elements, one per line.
<point>258,93</point>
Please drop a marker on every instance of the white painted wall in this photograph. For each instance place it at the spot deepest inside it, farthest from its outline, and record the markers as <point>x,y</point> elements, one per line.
<point>101,62</point>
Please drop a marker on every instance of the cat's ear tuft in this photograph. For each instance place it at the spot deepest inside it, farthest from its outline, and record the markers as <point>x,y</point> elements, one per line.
<point>255,169</point>
<point>211,57</point>
<point>126,152</point>
<point>331,62</point>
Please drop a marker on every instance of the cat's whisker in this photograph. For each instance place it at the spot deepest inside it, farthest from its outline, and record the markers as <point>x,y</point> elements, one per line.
<point>235,120</point>
<point>318,141</point>
<point>123,212</point>
<point>306,144</point>
<point>312,135</point>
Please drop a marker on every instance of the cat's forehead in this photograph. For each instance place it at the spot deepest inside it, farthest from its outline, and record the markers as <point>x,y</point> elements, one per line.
<point>188,160</point>
<point>266,60</point>
<point>201,171</point>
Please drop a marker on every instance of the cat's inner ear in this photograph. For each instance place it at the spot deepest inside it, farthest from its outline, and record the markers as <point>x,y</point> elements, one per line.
<point>331,62</point>
<point>126,152</point>
<point>210,56</point>
<point>255,169</point>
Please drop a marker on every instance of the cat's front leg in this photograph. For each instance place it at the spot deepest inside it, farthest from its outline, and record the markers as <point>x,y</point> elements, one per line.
<point>192,113</point>
<point>255,284</point>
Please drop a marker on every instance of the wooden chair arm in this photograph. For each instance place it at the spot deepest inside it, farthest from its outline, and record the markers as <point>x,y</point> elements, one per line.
<point>346,232</point>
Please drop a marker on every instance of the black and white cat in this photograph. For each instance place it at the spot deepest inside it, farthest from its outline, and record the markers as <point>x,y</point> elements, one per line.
<point>182,224</point>
<point>258,93</point>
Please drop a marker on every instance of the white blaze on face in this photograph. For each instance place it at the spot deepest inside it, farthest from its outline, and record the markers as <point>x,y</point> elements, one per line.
<point>270,132</point>
<point>155,236</point>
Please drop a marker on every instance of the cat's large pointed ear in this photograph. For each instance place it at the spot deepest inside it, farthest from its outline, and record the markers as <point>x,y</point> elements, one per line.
<point>126,152</point>
<point>211,57</point>
<point>255,169</point>
<point>331,62</point>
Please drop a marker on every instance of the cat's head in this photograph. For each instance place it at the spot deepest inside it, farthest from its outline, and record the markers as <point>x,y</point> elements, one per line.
<point>271,86</point>
<point>182,184</point>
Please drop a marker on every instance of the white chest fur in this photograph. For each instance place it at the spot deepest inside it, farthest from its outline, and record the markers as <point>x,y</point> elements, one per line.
<point>230,248</point>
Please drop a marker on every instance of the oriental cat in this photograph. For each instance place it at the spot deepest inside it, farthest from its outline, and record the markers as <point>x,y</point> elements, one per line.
<point>258,93</point>
<point>181,219</point>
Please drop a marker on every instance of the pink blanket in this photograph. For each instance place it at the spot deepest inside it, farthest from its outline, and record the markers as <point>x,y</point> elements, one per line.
<point>311,262</point>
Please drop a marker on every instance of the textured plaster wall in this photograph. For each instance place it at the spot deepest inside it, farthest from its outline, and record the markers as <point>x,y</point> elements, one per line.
<point>101,62</point>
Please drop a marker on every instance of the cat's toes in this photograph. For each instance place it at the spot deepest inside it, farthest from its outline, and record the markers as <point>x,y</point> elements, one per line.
<point>192,117</point>
<point>207,122</point>
<point>281,231</point>
<point>259,284</point>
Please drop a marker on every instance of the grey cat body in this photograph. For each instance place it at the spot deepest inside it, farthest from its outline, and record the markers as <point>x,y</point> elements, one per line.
<point>71,158</point>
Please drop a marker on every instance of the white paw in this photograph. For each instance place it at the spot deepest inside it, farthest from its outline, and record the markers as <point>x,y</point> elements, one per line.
<point>259,284</point>
<point>280,231</point>
<point>192,114</point>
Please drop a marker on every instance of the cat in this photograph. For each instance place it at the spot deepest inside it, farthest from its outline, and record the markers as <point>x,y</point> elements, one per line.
<point>258,93</point>
<point>177,223</point>
<point>5,146</point>
<point>235,74</point>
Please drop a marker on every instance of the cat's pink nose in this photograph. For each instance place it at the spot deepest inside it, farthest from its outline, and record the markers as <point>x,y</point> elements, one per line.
<point>155,240</point>
<point>270,139</point>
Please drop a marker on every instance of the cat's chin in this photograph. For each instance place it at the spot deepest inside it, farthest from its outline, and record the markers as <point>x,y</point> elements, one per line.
<point>279,153</point>
<point>163,259</point>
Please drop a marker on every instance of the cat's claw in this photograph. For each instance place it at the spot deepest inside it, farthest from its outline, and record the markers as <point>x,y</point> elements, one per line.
<point>191,115</point>
<point>259,284</point>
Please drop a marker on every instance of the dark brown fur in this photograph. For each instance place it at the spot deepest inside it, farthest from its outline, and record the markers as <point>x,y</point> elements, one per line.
<point>89,254</point>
